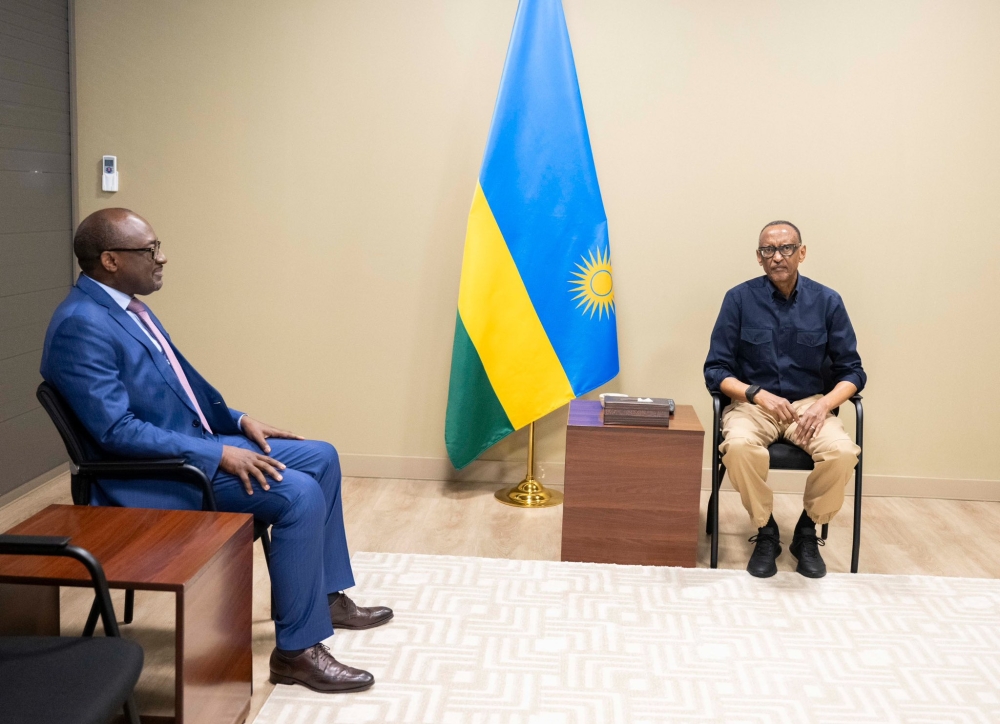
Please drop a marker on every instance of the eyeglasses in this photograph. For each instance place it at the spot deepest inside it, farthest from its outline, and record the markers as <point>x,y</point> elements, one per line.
<point>786,250</point>
<point>153,251</point>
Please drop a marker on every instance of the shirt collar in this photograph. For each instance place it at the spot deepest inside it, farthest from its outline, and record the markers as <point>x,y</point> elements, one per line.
<point>777,295</point>
<point>121,298</point>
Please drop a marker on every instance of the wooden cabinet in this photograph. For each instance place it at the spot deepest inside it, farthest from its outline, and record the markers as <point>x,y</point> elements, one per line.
<point>632,493</point>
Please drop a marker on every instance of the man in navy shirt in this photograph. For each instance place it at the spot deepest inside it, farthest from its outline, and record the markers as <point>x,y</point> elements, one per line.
<point>784,351</point>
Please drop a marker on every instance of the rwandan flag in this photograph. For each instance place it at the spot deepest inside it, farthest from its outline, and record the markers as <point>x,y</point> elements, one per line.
<point>536,304</point>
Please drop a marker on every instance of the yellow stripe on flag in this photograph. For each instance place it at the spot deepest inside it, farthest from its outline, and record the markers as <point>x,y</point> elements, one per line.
<point>523,368</point>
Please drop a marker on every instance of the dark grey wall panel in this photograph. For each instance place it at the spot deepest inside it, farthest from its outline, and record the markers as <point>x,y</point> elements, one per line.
<point>35,119</point>
<point>35,161</point>
<point>33,96</point>
<point>55,15</point>
<point>22,339</point>
<point>34,307</point>
<point>35,222</point>
<point>34,139</point>
<point>34,201</point>
<point>29,447</point>
<point>33,262</point>
<point>49,8</point>
<point>20,25</point>
<point>21,379</point>
<point>31,74</point>
<point>20,249</point>
<point>33,52</point>
<point>24,28</point>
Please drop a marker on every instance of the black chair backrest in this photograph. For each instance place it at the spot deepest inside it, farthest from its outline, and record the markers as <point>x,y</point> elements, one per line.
<point>79,444</point>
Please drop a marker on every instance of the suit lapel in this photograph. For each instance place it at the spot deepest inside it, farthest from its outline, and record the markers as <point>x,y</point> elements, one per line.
<point>132,327</point>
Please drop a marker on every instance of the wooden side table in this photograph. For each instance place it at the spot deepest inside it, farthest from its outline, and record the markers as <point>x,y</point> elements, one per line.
<point>632,493</point>
<point>206,559</point>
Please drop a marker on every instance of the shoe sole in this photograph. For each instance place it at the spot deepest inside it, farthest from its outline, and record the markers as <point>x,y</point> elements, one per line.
<point>809,575</point>
<point>764,575</point>
<point>279,679</point>
<point>366,626</point>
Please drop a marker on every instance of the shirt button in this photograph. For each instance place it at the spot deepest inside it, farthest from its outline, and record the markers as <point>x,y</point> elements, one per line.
<point>195,423</point>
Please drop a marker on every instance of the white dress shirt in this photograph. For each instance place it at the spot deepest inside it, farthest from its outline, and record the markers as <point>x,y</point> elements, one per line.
<point>122,299</point>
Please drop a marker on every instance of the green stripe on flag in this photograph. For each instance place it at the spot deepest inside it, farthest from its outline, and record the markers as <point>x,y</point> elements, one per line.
<point>475,418</point>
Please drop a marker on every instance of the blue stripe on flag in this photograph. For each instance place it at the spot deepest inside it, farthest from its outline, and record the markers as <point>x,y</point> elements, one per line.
<point>539,177</point>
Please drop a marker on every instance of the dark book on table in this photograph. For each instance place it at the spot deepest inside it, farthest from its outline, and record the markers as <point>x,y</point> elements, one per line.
<point>642,411</point>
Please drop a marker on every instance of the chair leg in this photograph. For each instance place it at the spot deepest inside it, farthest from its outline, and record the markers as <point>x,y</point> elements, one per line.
<point>131,713</point>
<point>824,531</point>
<point>91,625</point>
<point>129,604</point>
<point>708,517</point>
<point>265,543</point>
<point>856,545</point>
<point>719,473</point>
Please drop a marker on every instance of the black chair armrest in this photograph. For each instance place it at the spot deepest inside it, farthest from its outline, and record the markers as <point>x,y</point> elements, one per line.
<point>719,401</point>
<point>169,469</point>
<point>859,430</point>
<point>716,405</point>
<point>48,545</point>
<point>33,545</point>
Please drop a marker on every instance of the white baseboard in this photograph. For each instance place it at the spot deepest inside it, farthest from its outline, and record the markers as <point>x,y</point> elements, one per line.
<point>793,481</point>
<point>510,472</point>
<point>501,472</point>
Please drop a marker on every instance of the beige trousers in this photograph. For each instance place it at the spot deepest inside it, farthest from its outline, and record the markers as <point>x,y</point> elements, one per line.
<point>747,431</point>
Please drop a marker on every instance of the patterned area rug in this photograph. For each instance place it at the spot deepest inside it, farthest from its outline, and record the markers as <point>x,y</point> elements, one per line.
<point>487,641</point>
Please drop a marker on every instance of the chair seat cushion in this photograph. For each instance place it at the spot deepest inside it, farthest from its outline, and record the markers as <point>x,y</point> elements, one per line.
<point>67,680</point>
<point>786,456</point>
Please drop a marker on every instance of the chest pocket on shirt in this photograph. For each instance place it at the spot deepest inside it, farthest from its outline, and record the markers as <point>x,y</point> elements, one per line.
<point>810,348</point>
<point>755,344</point>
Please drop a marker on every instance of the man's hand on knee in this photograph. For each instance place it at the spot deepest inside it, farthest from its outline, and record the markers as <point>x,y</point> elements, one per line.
<point>245,464</point>
<point>811,422</point>
<point>779,407</point>
<point>258,432</point>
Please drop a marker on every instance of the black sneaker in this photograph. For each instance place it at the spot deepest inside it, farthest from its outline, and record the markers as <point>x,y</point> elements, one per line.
<point>765,553</point>
<point>805,547</point>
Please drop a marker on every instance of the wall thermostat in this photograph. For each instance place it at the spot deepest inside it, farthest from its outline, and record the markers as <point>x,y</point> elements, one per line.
<point>109,179</point>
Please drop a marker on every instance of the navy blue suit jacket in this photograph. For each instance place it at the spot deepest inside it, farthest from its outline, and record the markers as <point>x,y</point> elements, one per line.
<point>129,399</point>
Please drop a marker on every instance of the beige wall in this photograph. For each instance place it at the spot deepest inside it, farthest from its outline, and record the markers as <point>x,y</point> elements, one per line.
<point>309,167</point>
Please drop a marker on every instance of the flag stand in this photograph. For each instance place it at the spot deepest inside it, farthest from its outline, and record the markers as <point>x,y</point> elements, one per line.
<point>530,493</point>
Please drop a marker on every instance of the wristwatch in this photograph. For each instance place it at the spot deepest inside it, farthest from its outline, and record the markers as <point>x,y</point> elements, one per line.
<point>751,392</point>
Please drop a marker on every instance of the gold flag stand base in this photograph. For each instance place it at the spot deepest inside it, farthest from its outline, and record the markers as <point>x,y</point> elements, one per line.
<point>529,493</point>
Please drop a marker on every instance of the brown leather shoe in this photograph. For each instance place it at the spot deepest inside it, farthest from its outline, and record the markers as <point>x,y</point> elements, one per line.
<point>316,669</point>
<point>344,613</point>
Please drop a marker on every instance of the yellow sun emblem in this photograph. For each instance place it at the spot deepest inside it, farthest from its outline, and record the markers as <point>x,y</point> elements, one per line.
<point>594,285</point>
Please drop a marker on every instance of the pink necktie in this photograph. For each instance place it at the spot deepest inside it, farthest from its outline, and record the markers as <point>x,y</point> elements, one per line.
<point>140,310</point>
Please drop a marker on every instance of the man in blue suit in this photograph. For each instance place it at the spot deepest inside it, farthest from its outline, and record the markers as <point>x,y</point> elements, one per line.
<point>138,397</point>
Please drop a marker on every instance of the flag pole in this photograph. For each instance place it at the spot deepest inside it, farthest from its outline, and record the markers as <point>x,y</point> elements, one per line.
<point>529,493</point>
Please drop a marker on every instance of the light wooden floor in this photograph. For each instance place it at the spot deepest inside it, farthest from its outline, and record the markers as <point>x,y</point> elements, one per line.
<point>900,535</point>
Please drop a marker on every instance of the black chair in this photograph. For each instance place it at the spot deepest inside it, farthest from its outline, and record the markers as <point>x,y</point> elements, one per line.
<point>784,456</point>
<point>90,464</point>
<point>70,680</point>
